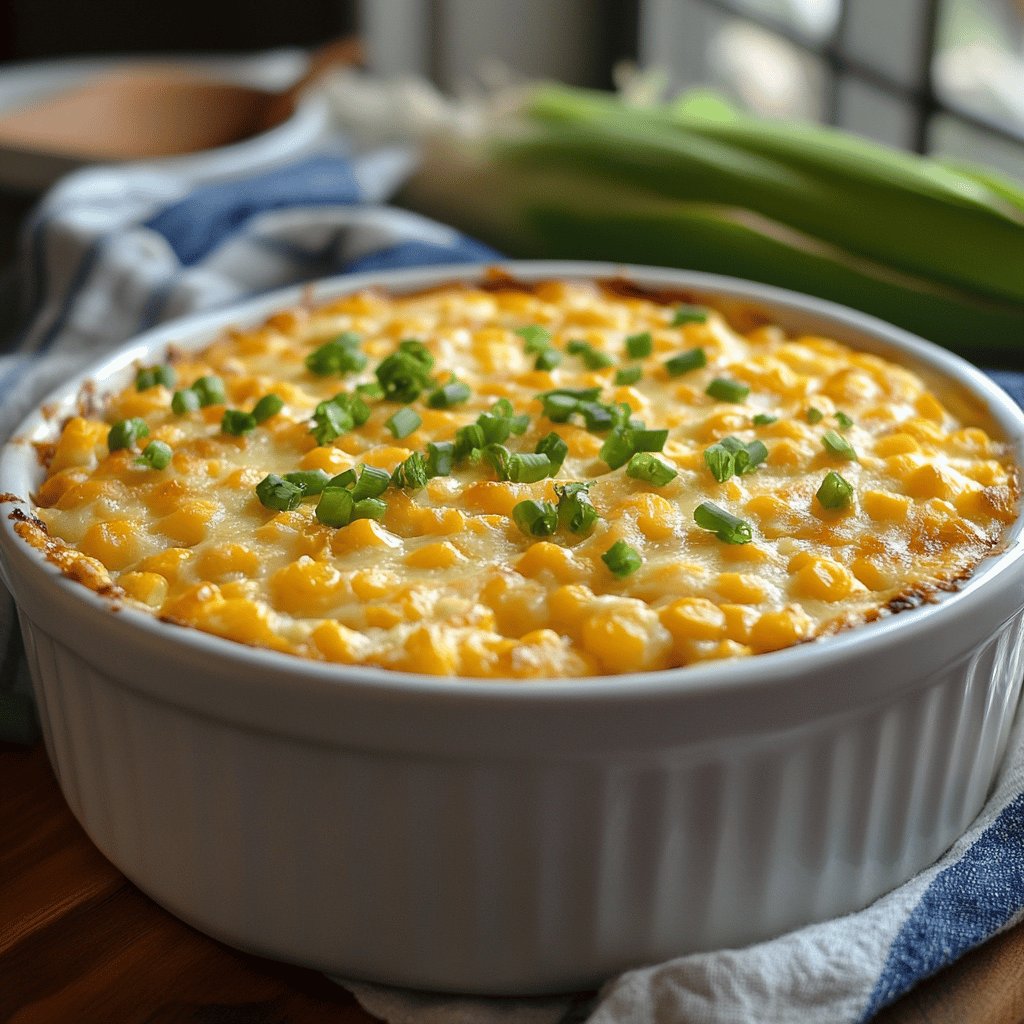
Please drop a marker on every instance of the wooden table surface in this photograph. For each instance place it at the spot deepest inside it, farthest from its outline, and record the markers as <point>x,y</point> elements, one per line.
<point>79,943</point>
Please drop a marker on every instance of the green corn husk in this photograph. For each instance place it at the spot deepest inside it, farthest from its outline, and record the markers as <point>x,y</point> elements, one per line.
<point>911,213</point>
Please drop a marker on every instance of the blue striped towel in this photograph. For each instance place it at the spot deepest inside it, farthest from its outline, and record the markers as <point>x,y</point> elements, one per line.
<point>112,251</point>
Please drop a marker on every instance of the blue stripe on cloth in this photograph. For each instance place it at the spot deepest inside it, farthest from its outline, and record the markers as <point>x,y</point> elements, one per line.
<point>965,904</point>
<point>422,254</point>
<point>197,224</point>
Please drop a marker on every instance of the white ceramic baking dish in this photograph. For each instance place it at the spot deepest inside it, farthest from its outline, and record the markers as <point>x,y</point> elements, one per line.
<point>503,837</point>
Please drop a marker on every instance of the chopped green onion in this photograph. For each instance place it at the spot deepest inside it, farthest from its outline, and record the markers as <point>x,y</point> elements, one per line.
<point>403,422</point>
<point>628,375</point>
<point>726,390</point>
<point>279,494</point>
<point>814,415</point>
<point>184,401</point>
<point>536,518</point>
<point>684,362</point>
<point>575,509</point>
<point>558,408</point>
<point>762,419</point>
<point>593,358</point>
<point>837,445</point>
<point>537,338</point>
<point>455,392</point>
<point>843,420</point>
<point>404,374</point>
<point>617,450</point>
<point>372,483</point>
<point>580,394</point>
<point>639,345</point>
<point>622,559</point>
<point>267,406</point>
<point>834,492</point>
<point>369,508</point>
<point>412,473</point>
<point>124,433</point>
<point>554,447</point>
<point>237,422</point>
<point>501,421</point>
<point>156,455</point>
<point>346,479</point>
<point>339,355</point>
<point>370,392</point>
<point>310,481</point>
<point>648,440</point>
<point>526,468</point>
<point>731,456</point>
<point>648,467</point>
<point>150,376</point>
<point>689,315</point>
<point>335,507</point>
<point>597,416</point>
<point>440,458</point>
<point>337,416</point>
<point>725,526</point>
<point>210,390</point>
<point>548,359</point>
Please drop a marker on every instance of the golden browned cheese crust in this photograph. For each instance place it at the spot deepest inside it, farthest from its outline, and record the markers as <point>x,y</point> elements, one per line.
<point>447,581</point>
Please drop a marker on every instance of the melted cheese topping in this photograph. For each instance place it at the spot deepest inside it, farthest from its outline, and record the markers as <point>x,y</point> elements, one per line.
<point>446,582</point>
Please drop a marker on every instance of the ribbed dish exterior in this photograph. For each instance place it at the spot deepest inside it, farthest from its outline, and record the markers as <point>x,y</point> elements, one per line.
<point>510,875</point>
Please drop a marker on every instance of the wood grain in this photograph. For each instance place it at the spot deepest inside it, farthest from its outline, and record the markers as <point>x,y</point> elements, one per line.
<point>78,942</point>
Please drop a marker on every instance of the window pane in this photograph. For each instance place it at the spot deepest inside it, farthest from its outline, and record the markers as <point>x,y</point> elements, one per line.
<point>874,113</point>
<point>951,137</point>
<point>979,64</point>
<point>814,19</point>
<point>887,36</point>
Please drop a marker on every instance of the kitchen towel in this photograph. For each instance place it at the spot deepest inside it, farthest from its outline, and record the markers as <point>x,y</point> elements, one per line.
<point>113,251</point>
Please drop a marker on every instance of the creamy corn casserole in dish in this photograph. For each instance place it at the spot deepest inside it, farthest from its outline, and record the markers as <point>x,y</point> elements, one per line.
<point>507,479</point>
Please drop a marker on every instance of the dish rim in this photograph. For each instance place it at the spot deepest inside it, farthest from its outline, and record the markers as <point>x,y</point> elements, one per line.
<point>757,673</point>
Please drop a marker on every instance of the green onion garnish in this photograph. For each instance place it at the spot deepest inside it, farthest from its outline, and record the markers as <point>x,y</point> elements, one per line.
<point>527,468</point>
<point>440,458</point>
<point>536,518</point>
<point>554,447</point>
<point>150,376</point>
<point>814,415</point>
<point>731,456</point>
<point>725,526</point>
<point>575,509</point>
<point>834,492</point>
<point>649,468</point>
<point>339,355</point>
<point>309,481</point>
<point>684,362</point>
<point>726,390</point>
<point>843,420</point>
<point>370,392</point>
<point>648,440</point>
<point>124,433</point>
<point>628,375</point>
<point>501,421</point>
<point>346,479</point>
<point>622,559</point>
<point>335,507</point>
<point>638,346</point>
<point>337,416</point>
<point>455,392</point>
<point>372,483</point>
<point>237,422</point>
<point>210,390</point>
<point>689,315</point>
<point>592,357</point>
<point>156,455</point>
<point>405,373</point>
<point>267,406</point>
<point>403,422</point>
<point>369,508</point>
<point>762,419</point>
<point>411,474</point>
<point>548,359</point>
<point>184,401</point>
<point>837,445</point>
<point>537,338</point>
<point>469,438</point>
<point>617,450</point>
<point>279,494</point>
